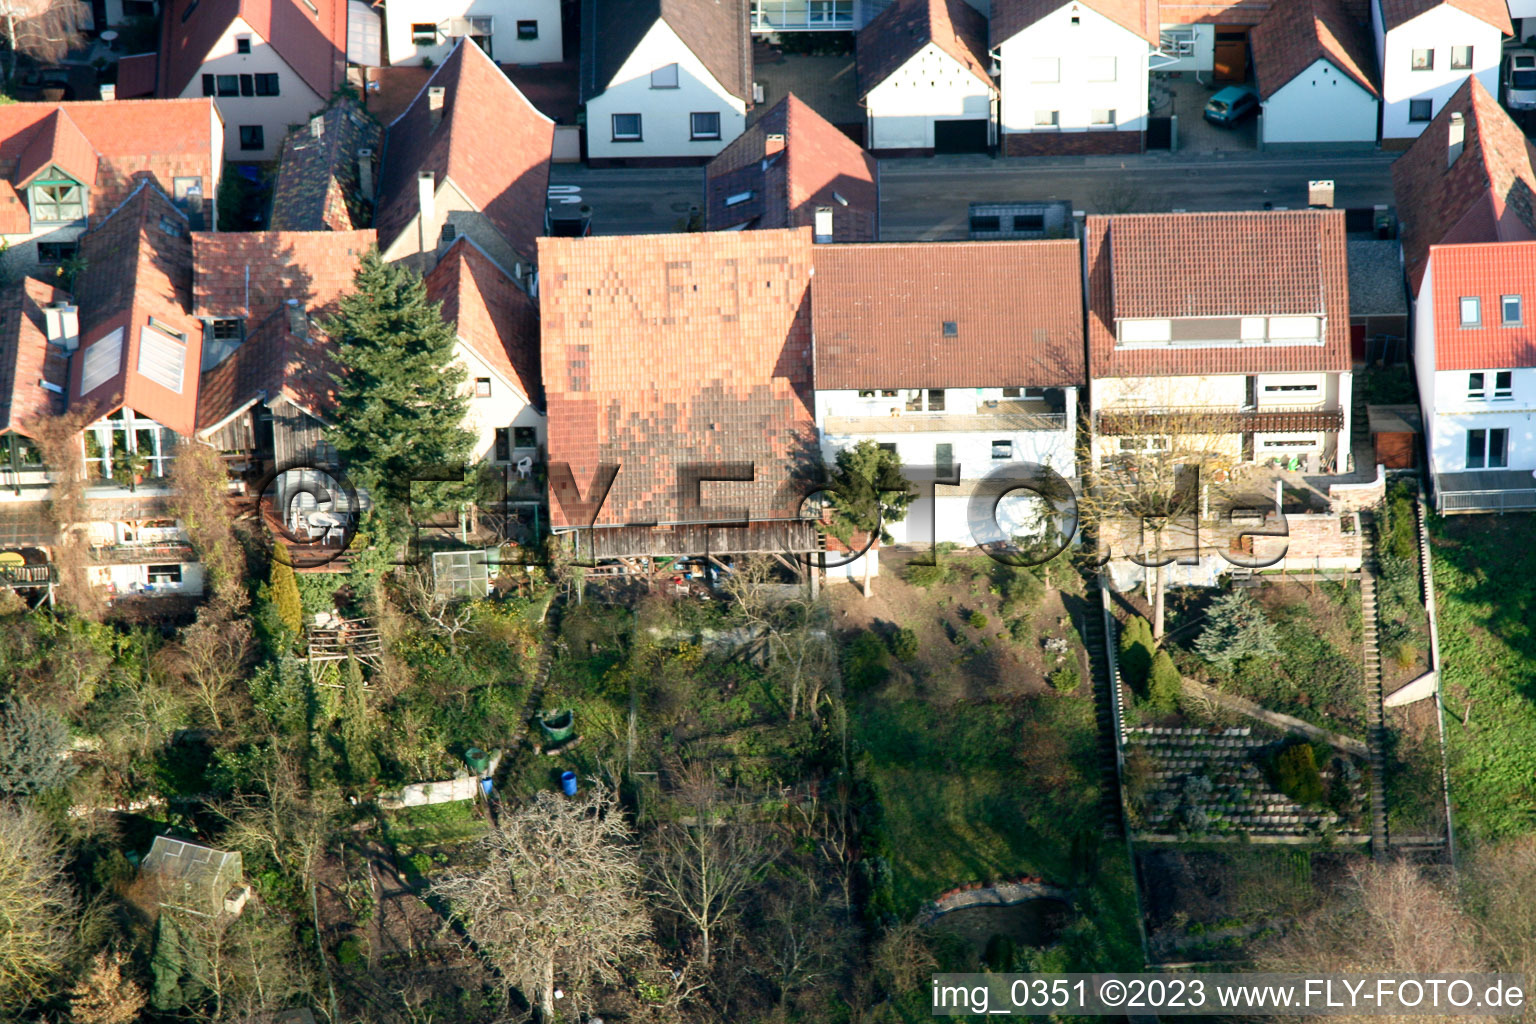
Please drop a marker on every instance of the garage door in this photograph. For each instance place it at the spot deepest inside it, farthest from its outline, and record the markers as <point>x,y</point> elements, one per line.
<point>960,136</point>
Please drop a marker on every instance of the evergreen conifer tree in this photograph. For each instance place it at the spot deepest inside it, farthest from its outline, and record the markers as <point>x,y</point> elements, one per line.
<point>1235,628</point>
<point>400,399</point>
<point>283,590</point>
<point>1164,684</point>
<point>1136,649</point>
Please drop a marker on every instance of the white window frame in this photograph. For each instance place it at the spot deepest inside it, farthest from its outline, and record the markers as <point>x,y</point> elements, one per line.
<point>660,79</point>
<point>639,132</point>
<point>1470,304</point>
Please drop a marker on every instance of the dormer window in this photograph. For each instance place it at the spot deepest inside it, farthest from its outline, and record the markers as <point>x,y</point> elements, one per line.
<point>56,198</point>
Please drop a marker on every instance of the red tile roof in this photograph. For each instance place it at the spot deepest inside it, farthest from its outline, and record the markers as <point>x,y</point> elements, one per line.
<point>164,139</point>
<point>391,90</point>
<point>252,274</point>
<point>500,164</point>
<point>1488,194</point>
<point>1171,265</point>
<point>1010,17</point>
<point>879,313</point>
<point>812,164</point>
<point>313,43</point>
<point>715,31</point>
<point>1220,12</point>
<point>138,265</point>
<point>1488,271</point>
<point>1297,33</point>
<point>493,316</point>
<point>272,361</point>
<point>1494,12</point>
<point>136,76</point>
<point>26,358</point>
<point>663,352</point>
<point>57,142</point>
<point>901,30</point>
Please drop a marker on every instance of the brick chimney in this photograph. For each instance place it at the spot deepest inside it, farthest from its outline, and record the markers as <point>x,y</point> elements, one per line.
<point>436,97</point>
<point>365,173</point>
<point>1456,138</point>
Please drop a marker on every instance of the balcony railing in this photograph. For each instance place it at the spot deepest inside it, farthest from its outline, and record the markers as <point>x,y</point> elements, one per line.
<point>1203,419</point>
<point>133,554</point>
<point>1004,417</point>
<point>1485,491</point>
<point>15,576</point>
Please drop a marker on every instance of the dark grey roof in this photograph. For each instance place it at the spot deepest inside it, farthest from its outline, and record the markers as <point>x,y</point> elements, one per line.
<point>715,31</point>
<point>1376,279</point>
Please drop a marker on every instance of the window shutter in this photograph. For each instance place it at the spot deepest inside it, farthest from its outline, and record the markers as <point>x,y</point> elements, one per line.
<point>207,85</point>
<point>247,85</point>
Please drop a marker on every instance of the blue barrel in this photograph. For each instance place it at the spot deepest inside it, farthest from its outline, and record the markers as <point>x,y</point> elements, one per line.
<point>568,783</point>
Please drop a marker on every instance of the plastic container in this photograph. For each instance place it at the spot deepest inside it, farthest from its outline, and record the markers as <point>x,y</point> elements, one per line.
<point>568,783</point>
<point>558,726</point>
<point>477,760</point>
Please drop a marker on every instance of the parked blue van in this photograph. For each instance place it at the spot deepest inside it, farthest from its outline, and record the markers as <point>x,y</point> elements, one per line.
<point>1231,105</point>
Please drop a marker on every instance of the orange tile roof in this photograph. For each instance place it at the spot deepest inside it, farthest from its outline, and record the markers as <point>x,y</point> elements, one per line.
<point>57,142</point>
<point>1489,271</point>
<point>310,36</point>
<point>1160,265</point>
<point>500,164</point>
<point>493,316</point>
<point>1494,12</point>
<point>904,28</point>
<point>164,139</point>
<point>816,165</point>
<point>1487,195</point>
<point>252,274</point>
<point>1010,17</point>
<point>879,313</point>
<point>138,265</point>
<point>1297,33</point>
<point>272,361</point>
<point>665,352</point>
<point>26,358</point>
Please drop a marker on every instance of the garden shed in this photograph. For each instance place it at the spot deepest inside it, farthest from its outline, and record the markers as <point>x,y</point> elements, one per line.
<point>196,878</point>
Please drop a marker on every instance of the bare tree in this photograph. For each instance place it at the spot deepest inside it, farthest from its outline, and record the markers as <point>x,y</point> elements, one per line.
<point>211,657</point>
<point>558,900</point>
<point>36,906</point>
<point>61,442</point>
<point>701,866</point>
<point>103,995</point>
<point>792,628</point>
<point>199,498</point>
<point>42,29</point>
<point>447,615</point>
<point>1154,465</point>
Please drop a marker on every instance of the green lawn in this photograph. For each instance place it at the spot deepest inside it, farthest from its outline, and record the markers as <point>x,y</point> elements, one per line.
<point>1485,589</point>
<point>980,792</point>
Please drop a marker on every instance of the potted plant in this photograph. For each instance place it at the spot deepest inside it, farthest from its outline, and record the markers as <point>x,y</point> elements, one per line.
<point>129,466</point>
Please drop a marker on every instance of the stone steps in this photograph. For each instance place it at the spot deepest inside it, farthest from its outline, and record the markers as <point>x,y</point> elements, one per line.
<point>1375,732</point>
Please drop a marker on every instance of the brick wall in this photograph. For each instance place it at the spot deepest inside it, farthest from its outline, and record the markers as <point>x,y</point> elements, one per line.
<point>1071,143</point>
<point>1315,541</point>
<point>1354,497</point>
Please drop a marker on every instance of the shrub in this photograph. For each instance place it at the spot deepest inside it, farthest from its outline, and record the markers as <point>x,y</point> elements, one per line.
<point>284,590</point>
<point>977,620</point>
<point>1164,685</point>
<point>1136,649</point>
<point>865,662</point>
<point>926,575</point>
<point>1018,630</point>
<point>1294,770</point>
<point>1235,628</point>
<point>1065,678</point>
<point>1020,589</point>
<point>904,644</point>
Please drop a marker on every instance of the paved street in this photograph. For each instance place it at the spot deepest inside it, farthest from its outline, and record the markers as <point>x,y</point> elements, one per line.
<point>927,198</point>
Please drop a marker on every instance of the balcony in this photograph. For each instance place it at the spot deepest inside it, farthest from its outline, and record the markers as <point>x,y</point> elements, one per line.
<point>136,554</point>
<point>1004,416</point>
<point>1488,490</point>
<point>1205,420</point>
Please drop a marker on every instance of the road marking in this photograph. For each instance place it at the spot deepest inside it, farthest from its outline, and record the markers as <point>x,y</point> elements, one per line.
<point>565,194</point>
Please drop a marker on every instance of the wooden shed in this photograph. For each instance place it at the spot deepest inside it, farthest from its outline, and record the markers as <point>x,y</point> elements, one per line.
<point>1395,431</point>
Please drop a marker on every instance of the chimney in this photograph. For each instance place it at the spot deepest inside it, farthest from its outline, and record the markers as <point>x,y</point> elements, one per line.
<point>1455,139</point>
<point>298,319</point>
<point>823,230</point>
<point>62,324</point>
<point>365,173</point>
<point>108,91</point>
<point>436,96</point>
<point>317,126</point>
<point>773,144</point>
<point>426,199</point>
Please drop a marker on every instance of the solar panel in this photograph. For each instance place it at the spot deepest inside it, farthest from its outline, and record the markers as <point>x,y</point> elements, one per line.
<point>102,359</point>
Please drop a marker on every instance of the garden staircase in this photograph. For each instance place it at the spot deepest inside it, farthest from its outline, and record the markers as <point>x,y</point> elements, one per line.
<point>1105,694</point>
<point>1375,732</point>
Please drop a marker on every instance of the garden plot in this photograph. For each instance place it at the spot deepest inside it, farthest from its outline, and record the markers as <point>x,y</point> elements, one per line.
<point>1195,784</point>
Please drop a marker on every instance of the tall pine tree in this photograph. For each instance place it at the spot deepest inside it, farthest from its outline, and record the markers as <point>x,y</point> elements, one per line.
<point>400,400</point>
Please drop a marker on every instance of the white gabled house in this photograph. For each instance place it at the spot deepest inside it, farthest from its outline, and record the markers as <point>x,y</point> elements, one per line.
<point>924,78</point>
<point>664,80</point>
<point>1315,72</point>
<point>930,349</point>
<point>509,31</point>
<point>1426,49</point>
<point>1074,74</point>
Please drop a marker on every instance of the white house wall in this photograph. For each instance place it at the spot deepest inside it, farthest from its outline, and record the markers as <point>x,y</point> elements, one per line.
<point>1322,104</point>
<point>1455,414</point>
<point>1073,96</point>
<point>505,407</point>
<point>506,47</point>
<point>1204,56</point>
<point>665,122</point>
<point>931,86</point>
<point>1438,29</point>
<point>1424,358</point>
<point>293,104</point>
